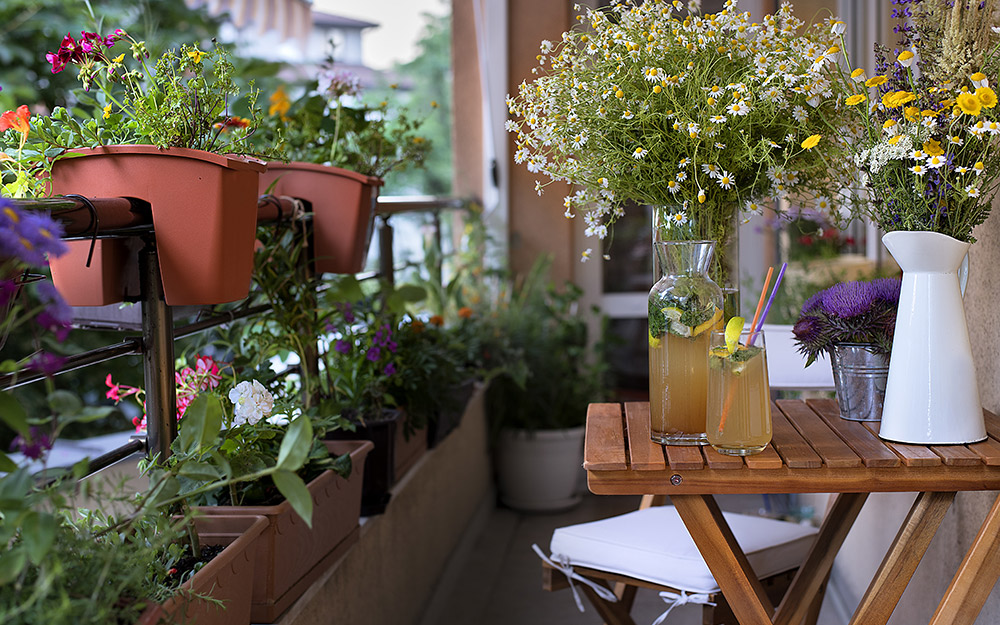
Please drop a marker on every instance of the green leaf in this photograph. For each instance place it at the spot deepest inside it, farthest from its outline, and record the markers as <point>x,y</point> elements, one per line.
<point>164,492</point>
<point>295,491</point>
<point>14,489</point>
<point>11,565</point>
<point>12,413</point>
<point>6,464</point>
<point>38,531</point>
<point>200,471</point>
<point>64,403</point>
<point>201,423</point>
<point>296,445</point>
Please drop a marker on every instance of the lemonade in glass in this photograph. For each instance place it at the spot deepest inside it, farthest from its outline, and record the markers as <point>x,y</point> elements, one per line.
<point>738,419</point>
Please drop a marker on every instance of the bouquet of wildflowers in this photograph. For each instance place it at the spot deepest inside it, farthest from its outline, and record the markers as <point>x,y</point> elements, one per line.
<point>849,312</point>
<point>702,115</point>
<point>927,152</point>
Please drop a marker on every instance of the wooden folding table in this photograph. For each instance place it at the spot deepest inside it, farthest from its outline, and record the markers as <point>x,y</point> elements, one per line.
<point>813,451</point>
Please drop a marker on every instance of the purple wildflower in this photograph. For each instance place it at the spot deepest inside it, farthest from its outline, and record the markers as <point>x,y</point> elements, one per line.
<point>886,289</point>
<point>373,353</point>
<point>389,369</point>
<point>812,303</point>
<point>348,313</point>
<point>38,443</point>
<point>342,346</point>
<point>46,363</point>
<point>8,289</point>
<point>807,329</point>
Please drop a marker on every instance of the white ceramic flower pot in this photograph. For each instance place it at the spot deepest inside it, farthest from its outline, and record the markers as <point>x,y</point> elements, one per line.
<point>540,471</point>
<point>931,397</point>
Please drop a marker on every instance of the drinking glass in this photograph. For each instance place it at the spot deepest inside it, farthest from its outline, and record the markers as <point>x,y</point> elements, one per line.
<point>738,419</point>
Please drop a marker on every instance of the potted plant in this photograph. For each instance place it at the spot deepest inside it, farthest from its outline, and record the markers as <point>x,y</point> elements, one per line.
<point>854,322</point>
<point>537,410</point>
<point>338,151</point>
<point>164,133</point>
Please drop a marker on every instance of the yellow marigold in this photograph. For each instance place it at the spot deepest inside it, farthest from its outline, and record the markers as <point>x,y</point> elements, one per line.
<point>987,97</point>
<point>811,142</point>
<point>933,147</point>
<point>875,81</point>
<point>969,103</point>
<point>911,113</point>
<point>855,99</point>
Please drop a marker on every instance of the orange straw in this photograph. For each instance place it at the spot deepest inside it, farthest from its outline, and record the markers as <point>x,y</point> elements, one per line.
<point>756,317</point>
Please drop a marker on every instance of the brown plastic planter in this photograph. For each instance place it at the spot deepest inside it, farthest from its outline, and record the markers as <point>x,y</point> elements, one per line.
<point>204,209</point>
<point>226,578</point>
<point>380,468</point>
<point>290,555</point>
<point>100,284</point>
<point>343,204</point>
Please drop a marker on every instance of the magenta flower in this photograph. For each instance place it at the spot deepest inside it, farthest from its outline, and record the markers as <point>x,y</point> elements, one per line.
<point>373,353</point>
<point>46,363</point>
<point>35,446</point>
<point>389,369</point>
<point>342,346</point>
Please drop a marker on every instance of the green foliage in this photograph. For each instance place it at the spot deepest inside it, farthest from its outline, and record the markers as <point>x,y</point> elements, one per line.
<point>561,372</point>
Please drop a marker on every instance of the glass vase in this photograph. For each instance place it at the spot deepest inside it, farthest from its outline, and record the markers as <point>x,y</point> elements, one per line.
<point>674,223</point>
<point>685,305</point>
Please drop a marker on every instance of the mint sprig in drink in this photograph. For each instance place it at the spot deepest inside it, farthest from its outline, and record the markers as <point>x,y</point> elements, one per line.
<point>739,403</point>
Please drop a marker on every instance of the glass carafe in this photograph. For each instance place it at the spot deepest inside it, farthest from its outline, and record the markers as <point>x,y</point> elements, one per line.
<point>685,305</point>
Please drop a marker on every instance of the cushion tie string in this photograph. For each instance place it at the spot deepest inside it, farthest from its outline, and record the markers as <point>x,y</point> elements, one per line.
<point>562,563</point>
<point>673,600</point>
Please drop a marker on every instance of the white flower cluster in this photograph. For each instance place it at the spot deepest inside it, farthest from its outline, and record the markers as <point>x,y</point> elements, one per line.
<point>252,402</point>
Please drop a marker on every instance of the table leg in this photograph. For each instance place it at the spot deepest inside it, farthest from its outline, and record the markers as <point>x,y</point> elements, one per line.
<point>814,571</point>
<point>901,561</point>
<point>976,575</point>
<point>725,558</point>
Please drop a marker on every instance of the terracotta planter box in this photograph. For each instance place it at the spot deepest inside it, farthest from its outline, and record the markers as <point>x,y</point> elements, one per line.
<point>343,204</point>
<point>408,449</point>
<point>380,468</point>
<point>100,284</point>
<point>226,578</point>
<point>290,555</point>
<point>204,208</point>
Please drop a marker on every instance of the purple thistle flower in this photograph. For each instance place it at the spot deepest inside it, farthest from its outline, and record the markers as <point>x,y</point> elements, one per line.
<point>342,346</point>
<point>886,289</point>
<point>812,303</point>
<point>38,443</point>
<point>807,329</point>
<point>847,299</point>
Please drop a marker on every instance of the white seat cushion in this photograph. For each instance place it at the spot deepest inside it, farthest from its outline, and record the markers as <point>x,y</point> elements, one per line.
<point>654,545</point>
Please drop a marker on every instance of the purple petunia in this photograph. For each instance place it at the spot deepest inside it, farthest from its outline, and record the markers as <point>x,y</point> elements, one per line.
<point>38,443</point>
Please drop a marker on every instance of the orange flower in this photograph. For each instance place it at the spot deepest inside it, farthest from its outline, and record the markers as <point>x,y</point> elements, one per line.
<point>417,325</point>
<point>464,312</point>
<point>18,120</point>
<point>437,320</point>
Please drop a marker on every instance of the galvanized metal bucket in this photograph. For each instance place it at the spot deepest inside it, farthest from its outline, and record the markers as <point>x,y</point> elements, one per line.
<point>860,377</point>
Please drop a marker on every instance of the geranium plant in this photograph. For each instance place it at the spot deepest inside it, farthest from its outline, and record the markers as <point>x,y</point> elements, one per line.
<point>926,152</point>
<point>701,116</point>
<point>849,312</point>
<point>185,99</point>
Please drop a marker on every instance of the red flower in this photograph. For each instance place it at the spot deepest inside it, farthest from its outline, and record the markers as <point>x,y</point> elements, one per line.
<point>464,312</point>
<point>18,120</point>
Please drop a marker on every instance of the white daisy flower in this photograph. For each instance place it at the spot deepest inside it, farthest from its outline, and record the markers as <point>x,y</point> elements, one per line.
<point>720,146</point>
<point>935,161</point>
<point>711,169</point>
<point>684,162</point>
<point>961,169</point>
<point>972,190</point>
<point>679,218</point>
<point>919,170</point>
<point>823,204</point>
<point>673,186</point>
<point>681,176</point>
<point>585,255</point>
<point>955,140</point>
<point>725,180</point>
<point>979,167</point>
<point>639,153</point>
<point>717,119</point>
<point>799,113</point>
<point>917,155</point>
<point>738,108</point>
<point>627,114</point>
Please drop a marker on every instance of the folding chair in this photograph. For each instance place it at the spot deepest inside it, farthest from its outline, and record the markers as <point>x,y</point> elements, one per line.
<point>651,548</point>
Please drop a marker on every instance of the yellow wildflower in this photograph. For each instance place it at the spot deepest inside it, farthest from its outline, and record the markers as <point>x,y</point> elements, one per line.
<point>969,104</point>
<point>987,97</point>
<point>279,103</point>
<point>855,99</point>
<point>933,147</point>
<point>875,81</point>
<point>196,55</point>
<point>107,111</point>
<point>811,142</point>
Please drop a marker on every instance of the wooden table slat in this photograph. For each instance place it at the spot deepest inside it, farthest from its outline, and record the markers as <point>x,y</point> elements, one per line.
<point>604,448</point>
<point>684,457</point>
<point>767,459</point>
<point>988,451</point>
<point>715,460</point>
<point>992,424</point>
<point>826,443</point>
<point>644,454</point>
<point>911,455</point>
<point>957,455</point>
<point>790,445</point>
<point>872,450</point>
